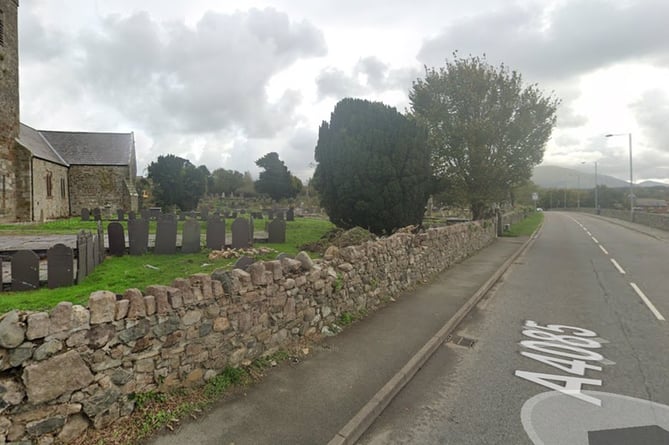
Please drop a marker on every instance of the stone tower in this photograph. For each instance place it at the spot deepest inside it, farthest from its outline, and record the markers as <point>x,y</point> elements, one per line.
<point>11,169</point>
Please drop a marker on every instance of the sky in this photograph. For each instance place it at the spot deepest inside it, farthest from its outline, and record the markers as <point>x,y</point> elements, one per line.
<point>222,83</point>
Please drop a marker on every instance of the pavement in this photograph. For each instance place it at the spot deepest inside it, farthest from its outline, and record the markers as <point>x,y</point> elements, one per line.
<point>344,383</point>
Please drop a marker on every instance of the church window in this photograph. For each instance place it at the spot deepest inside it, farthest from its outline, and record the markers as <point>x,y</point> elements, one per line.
<point>2,28</point>
<point>49,185</point>
<point>62,188</point>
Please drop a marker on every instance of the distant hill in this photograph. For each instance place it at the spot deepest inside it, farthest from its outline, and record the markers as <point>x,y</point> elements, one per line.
<point>550,176</point>
<point>652,184</point>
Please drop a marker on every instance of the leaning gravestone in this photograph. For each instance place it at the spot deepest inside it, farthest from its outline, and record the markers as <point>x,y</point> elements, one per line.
<point>240,233</point>
<point>92,252</point>
<point>85,214</point>
<point>97,214</point>
<point>60,263</point>
<point>290,214</point>
<point>190,240</point>
<point>138,236</point>
<point>25,270</point>
<point>276,231</point>
<point>100,251</point>
<point>166,238</point>
<point>215,234</point>
<point>116,239</point>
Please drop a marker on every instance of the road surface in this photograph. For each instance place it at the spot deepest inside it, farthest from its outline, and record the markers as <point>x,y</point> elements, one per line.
<point>570,347</point>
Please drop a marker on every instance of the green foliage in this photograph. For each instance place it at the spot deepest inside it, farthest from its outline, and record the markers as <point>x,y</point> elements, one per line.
<point>276,180</point>
<point>527,226</point>
<point>177,182</point>
<point>229,377</point>
<point>486,129</point>
<point>373,167</point>
<point>226,181</point>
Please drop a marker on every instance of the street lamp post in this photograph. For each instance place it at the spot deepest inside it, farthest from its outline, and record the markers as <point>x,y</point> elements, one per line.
<point>631,176</point>
<point>596,192</point>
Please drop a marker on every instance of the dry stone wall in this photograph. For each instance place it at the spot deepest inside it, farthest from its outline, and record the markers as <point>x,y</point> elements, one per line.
<point>75,367</point>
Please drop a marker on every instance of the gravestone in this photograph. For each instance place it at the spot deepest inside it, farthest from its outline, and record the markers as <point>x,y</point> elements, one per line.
<point>25,270</point>
<point>233,215</point>
<point>204,214</point>
<point>83,239</point>
<point>85,214</point>
<point>182,216</point>
<point>243,262</point>
<point>97,214</point>
<point>270,214</point>
<point>145,213</point>
<point>215,233</point>
<point>120,215</point>
<point>190,239</point>
<point>168,217</point>
<point>92,254</point>
<point>116,238</point>
<point>60,263</point>
<point>166,238</point>
<point>132,215</point>
<point>276,231</point>
<point>217,214</point>
<point>290,214</point>
<point>251,230</point>
<point>138,236</point>
<point>100,251</point>
<point>240,233</point>
<point>155,212</point>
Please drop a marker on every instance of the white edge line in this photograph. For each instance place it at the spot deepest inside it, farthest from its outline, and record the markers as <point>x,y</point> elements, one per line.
<point>594,239</point>
<point>620,269</point>
<point>603,249</point>
<point>645,299</point>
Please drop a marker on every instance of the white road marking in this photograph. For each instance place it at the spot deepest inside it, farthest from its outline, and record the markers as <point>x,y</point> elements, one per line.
<point>645,299</point>
<point>620,269</point>
<point>594,239</point>
<point>603,249</point>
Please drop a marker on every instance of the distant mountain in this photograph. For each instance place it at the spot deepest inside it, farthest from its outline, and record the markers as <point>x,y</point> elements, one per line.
<point>652,184</point>
<point>550,176</point>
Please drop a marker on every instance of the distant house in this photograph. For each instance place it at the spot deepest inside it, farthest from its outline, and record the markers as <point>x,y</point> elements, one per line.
<point>54,174</point>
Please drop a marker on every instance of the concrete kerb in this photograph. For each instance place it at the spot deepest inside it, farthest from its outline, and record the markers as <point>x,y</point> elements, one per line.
<point>356,427</point>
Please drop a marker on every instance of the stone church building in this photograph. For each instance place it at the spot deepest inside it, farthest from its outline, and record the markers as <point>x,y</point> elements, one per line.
<point>54,174</point>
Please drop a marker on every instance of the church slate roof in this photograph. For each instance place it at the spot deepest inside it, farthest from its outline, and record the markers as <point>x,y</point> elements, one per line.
<point>32,140</point>
<point>84,148</point>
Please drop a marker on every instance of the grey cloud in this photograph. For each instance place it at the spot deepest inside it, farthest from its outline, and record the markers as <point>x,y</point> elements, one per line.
<point>378,77</point>
<point>582,35</point>
<point>170,77</point>
<point>568,118</point>
<point>652,114</point>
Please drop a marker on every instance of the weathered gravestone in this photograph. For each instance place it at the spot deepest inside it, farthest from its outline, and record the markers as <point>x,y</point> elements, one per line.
<point>240,233</point>
<point>166,238</point>
<point>97,214</point>
<point>290,214</point>
<point>116,238</point>
<point>276,231</point>
<point>155,212</point>
<point>182,216</point>
<point>190,240</point>
<point>138,236</point>
<point>145,213</point>
<point>120,215</point>
<point>132,215</point>
<point>204,214</point>
<point>92,249</point>
<point>100,247</point>
<point>60,263</point>
<point>243,263</point>
<point>83,239</point>
<point>215,233</point>
<point>25,270</point>
<point>270,214</point>
<point>85,214</point>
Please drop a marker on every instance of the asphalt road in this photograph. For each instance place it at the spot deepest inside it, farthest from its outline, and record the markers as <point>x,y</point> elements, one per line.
<point>570,348</point>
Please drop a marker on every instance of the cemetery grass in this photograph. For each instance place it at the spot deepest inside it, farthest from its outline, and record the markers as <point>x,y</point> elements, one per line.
<point>527,226</point>
<point>117,274</point>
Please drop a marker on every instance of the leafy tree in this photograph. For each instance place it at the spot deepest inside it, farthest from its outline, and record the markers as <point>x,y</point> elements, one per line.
<point>248,185</point>
<point>177,182</point>
<point>373,167</point>
<point>485,128</point>
<point>276,180</point>
<point>226,181</point>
